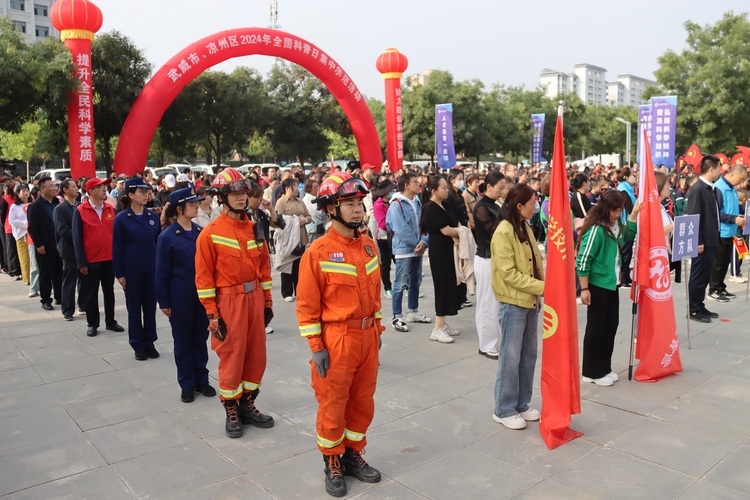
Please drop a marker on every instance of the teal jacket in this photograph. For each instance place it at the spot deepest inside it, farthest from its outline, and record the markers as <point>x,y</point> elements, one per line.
<point>599,254</point>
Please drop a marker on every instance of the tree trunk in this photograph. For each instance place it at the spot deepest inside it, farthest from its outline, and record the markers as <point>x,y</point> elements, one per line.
<point>107,156</point>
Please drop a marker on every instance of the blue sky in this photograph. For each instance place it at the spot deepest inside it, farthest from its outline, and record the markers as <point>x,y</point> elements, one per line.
<point>494,41</point>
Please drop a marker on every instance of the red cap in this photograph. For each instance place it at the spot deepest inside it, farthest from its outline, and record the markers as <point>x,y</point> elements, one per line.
<point>95,182</point>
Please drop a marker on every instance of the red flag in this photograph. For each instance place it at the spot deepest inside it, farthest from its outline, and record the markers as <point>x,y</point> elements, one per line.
<point>722,158</point>
<point>738,159</point>
<point>561,380</point>
<point>693,157</point>
<point>744,150</point>
<point>658,345</point>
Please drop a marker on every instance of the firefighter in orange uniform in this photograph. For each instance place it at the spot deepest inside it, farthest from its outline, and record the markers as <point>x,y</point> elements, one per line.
<point>233,278</point>
<point>338,311</point>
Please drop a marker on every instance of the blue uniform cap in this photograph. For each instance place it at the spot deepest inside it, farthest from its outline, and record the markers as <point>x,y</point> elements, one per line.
<point>135,183</point>
<point>183,195</point>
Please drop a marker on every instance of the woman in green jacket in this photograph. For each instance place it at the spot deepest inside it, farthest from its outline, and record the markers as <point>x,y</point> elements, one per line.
<point>598,265</point>
<point>518,284</point>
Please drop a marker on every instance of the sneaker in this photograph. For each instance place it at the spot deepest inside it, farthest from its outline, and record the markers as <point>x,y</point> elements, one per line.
<point>441,336</point>
<point>605,381</point>
<point>417,317</point>
<point>627,285</point>
<point>33,294</point>
<point>289,299</point>
<point>493,354</point>
<point>399,325</point>
<point>728,295</point>
<point>269,329</point>
<point>451,331</point>
<point>68,317</point>
<point>700,317</point>
<point>738,279</point>
<point>388,294</point>
<point>717,296</point>
<point>614,376</point>
<point>530,415</point>
<point>708,313</point>
<point>421,295</point>
<point>515,422</point>
<point>467,304</point>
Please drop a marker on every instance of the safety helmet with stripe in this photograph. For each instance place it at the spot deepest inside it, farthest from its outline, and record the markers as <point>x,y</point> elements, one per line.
<point>340,186</point>
<point>229,180</point>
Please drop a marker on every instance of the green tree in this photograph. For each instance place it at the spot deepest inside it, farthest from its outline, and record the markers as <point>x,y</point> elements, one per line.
<point>119,72</point>
<point>260,146</point>
<point>607,135</point>
<point>711,77</point>
<point>20,145</point>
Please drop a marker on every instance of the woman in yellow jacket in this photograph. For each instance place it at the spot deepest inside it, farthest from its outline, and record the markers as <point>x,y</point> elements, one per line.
<point>518,284</point>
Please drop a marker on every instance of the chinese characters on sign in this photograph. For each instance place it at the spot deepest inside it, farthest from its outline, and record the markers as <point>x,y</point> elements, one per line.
<point>446,152</point>
<point>663,124</point>
<point>81,117</point>
<point>685,239</point>
<point>644,123</point>
<point>537,134</point>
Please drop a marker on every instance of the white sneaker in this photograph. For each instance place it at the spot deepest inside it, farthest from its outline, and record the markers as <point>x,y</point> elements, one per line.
<point>417,317</point>
<point>605,381</point>
<point>289,299</point>
<point>399,325</point>
<point>515,422</point>
<point>33,294</point>
<point>738,279</point>
<point>614,376</point>
<point>451,331</point>
<point>421,295</point>
<point>441,336</point>
<point>530,415</point>
<point>388,294</point>
<point>269,329</point>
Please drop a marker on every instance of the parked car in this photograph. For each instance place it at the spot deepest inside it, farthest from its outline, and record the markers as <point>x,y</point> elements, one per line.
<point>57,174</point>
<point>101,174</point>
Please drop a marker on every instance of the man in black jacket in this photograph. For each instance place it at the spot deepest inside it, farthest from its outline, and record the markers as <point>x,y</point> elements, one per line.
<point>42,231</point>
<point>63,218</point>
<point>702,201</point>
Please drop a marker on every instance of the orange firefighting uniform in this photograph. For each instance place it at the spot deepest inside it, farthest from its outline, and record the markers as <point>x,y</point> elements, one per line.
<point>233,277</point>
<point>338,309</point>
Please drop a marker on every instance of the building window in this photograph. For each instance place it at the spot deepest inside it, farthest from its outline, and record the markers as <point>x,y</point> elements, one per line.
<point>18,5</point>
<point>20,26</point>
<point>42,32</point>
<point>40,10</point>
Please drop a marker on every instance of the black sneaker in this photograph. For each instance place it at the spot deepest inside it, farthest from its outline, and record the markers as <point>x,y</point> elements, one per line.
<point>699,317</point>
<point>187,396</point>
<point>728,295</point>
<point>68,317</point>
<point>206,390</point>
<point>152,352</point>
<point>627,285</point>
<point>467,304</point>
<point>335,482</point>
<point>708,313</point>
<point>233,427</point>
<point>47,306</point>
<point>356,466</point>
<point>141,355</point>
<point>717,296</point>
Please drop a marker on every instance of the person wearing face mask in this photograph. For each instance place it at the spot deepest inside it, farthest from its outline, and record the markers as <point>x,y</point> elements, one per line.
<point>627,180</point>
<point>455,203</point>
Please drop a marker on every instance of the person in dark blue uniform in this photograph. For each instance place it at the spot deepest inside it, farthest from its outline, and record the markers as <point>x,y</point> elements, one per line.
<point>134,258</point>
<point>178,296</point>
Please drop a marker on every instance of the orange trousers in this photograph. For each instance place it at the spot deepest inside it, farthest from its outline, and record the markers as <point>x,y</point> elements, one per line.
<point>242,354</point>
<point>345,396</point>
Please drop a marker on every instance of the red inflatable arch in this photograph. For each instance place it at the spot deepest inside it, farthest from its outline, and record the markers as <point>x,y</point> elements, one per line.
<point>143,119</point>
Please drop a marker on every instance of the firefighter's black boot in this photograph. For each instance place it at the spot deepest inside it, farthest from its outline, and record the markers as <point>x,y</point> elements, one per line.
<point>335,482</point>
<point>233,426</point>
<point>356,466</point>
<point>249,414</point>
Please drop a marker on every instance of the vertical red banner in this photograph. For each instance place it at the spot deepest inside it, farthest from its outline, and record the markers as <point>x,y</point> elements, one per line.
<point>392,65</point>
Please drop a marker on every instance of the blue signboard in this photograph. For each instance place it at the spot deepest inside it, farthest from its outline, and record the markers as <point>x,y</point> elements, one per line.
<point>685,237</point>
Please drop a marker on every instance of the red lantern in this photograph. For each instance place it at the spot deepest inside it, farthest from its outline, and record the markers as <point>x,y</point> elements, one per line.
<point>392,65</point>
<point>77,21</point>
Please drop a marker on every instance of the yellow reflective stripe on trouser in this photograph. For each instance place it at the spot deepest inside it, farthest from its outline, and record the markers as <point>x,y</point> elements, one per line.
<point>227,242</point>
<point>249,386</point>
<point>338,267</point>
<point>253,244</point>
<point>325,443</point>
<point>372,265</point>
<point>229,393</point>
<point>353,436</point>
<point>379,315</point>
<point>266,285</point>
<point>308,330</point>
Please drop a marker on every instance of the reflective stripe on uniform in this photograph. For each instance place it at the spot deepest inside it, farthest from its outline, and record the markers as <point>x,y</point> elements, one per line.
<point>308,330</point>
<point>206,293</point>
<point>227,242</point>
<point>266,285</point>
<point>379,315</point>
<point>230,393</point>
<point>325,443</point>
<point>253,244</point>
<point>338,267</point>
<point>372,265</point>
<point>249,386</point>
<point>353,436</point>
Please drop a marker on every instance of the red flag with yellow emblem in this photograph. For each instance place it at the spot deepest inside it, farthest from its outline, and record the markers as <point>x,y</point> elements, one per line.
<point>561,379</point>
<point>693,157</point>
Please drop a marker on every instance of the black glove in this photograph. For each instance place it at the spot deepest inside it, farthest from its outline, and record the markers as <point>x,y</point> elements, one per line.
<point>320,359</point>
<point>267,315</point>
<point>218,329</point>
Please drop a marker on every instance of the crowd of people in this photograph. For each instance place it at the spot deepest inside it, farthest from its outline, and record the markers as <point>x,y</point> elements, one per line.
<point>202,248</point>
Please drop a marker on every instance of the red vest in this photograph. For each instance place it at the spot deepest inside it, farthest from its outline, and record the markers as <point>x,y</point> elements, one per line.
<point>97,235</point>
<point>10,200</point>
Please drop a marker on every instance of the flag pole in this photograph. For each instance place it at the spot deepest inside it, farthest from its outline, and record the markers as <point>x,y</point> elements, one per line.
<point>687,295</point>
<point>634,282</point>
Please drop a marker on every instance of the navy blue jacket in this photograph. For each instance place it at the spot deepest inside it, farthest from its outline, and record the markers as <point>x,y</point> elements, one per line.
<point>175,267</point>
<point>134,242</point>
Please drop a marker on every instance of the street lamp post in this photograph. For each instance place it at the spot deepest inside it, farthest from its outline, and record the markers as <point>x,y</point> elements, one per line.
<point>627,139</point>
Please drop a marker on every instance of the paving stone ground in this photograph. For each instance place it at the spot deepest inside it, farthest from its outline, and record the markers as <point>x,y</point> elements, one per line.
<point>81,418</point>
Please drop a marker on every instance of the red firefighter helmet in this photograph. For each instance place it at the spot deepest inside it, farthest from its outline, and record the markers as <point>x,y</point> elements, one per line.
<point>229,180</point>
<point>340,186</point>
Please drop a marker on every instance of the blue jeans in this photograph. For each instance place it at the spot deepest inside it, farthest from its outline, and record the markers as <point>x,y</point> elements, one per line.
<point>518,350</point>
<point>408,274</point>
